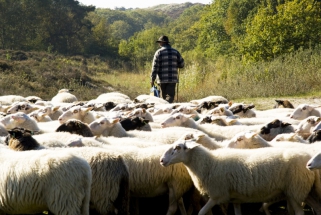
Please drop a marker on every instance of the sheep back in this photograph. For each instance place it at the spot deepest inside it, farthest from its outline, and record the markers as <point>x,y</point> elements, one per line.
<point>44,180</point>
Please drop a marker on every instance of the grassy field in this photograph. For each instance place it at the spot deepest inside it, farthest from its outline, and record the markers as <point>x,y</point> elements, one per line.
<point>293,77</point>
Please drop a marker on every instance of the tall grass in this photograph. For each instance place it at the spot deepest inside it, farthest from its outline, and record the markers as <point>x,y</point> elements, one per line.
<point>43,74</point>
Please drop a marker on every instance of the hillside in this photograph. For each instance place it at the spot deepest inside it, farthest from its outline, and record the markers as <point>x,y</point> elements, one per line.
<point>172,10</point>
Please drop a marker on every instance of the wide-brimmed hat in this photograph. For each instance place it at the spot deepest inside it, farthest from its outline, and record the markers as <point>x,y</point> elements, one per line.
<point>163,39</point>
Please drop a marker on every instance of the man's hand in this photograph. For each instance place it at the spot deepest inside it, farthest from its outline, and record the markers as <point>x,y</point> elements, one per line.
<point>152,83</point>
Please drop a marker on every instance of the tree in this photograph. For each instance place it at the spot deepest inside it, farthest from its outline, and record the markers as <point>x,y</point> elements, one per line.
<point>295,24</point>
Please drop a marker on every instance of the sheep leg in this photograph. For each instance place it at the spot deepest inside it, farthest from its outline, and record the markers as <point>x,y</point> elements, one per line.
<point>314,204</point>
<point>207,207</point>
<point>265,208</point>
<point>181,206</point>
<point>172,207</point>
<point>237,209</point>
<point>297,208</point>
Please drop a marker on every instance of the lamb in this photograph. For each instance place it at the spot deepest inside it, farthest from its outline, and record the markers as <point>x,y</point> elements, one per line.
<point>239,167</point>
<point>29,176</point>
<point>75,126</point>
<point>304,110</point>
<point>64,96</point>
<point>283,104</point>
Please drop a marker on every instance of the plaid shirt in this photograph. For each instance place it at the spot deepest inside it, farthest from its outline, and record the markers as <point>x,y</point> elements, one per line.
<point>165,65</point>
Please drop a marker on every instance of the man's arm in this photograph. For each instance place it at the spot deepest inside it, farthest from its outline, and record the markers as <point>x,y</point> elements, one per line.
<point>180,61</point>
<point>155,68</point>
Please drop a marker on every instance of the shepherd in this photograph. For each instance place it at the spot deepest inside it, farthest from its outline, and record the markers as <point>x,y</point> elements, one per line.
<point>166,64</point>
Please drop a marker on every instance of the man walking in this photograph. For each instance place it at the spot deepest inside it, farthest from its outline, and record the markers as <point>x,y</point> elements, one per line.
<point>165,66</point>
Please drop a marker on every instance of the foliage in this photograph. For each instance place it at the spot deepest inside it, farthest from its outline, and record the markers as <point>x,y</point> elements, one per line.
<point>294,25</point>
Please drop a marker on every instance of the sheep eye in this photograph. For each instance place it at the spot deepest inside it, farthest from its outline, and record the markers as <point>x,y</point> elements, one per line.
<point>23,106</point>
<point>177,148</point>
<point>75,111</point>
<point>239,139</point>
<point>102,122</point>
<point>177,117</point>
<point>304,108</point>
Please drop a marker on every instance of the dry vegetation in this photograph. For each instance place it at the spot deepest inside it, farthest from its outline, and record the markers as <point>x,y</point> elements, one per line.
<point>38,73</point>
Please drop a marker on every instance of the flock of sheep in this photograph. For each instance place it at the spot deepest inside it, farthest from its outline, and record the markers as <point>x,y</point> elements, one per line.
<point>108,155</point>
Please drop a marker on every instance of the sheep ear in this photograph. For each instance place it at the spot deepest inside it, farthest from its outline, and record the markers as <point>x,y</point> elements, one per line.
<point>230,103</point>
<point>114,121</point>
<point>191,115</point>
<point>199,136</point>
<point>190,145</point>
<point>284,124</point>
<point>89,109</point>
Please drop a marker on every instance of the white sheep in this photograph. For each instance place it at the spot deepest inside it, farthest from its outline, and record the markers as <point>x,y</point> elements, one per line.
<point>53,111</point>
<point>106,96</point>
<point>58,139</point>
<point>64,96</point>
<point>78,112</point>
<point>149,179</point>
<point>272,129</point>
<point>110,186</point>
<point>220,99</point>
<point>40,116</point>
<point>240,167</point>
<point>22,120</point>
<point>220,111</point>
<point>36,181</point>
<point>149,99</point>
<point>302,111</point>
<point>111,127</point>
<point>141,112</point>
<point>293,137</point>
<point>10,99</point>
<point>217,132</point>
<point>25,107</point>
<point>314,162</point>
<point>3,130</point>
<point>242,110</point>
<point>110,179</point>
